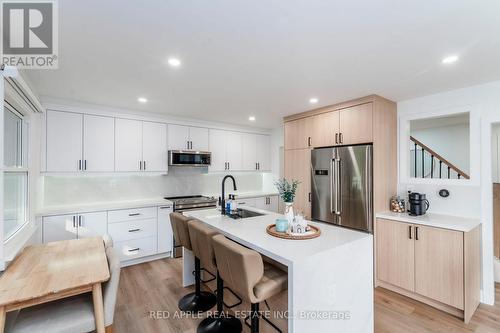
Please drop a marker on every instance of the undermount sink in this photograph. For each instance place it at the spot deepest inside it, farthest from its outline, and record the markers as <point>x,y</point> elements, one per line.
<point>243,214</point>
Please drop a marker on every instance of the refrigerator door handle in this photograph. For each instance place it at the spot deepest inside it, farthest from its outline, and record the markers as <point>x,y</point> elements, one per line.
<point>338,204</point>
<point>332,178</point>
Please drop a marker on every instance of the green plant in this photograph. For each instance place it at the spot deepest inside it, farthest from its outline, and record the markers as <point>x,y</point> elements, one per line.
<point>286,189</point>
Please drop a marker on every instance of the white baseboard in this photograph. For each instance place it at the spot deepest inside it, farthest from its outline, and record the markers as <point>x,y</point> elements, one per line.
<point>146,259</point>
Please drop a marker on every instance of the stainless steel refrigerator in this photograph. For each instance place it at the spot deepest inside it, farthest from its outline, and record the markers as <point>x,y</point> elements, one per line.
<point>342,186</point>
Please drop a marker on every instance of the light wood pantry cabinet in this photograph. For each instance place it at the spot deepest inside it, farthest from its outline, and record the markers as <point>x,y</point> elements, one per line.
<point>298,167</point>
<point>140,146</point>
<point>437,266</point>
<point>79,143</point>
<point>370,120</point>
<point>182,137</point>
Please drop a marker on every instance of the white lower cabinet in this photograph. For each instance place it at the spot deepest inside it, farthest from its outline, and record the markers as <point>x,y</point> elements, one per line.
<point>269,203</point>
<point>136,248</point>
<point>136,232</point>
<point>165,233</point>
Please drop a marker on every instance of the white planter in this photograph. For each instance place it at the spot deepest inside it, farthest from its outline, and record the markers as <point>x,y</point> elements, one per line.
<point>289,212</point>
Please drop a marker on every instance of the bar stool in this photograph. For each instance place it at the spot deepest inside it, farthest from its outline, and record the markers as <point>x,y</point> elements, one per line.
<point>199,301</point>
<point>201,242</point>
<point>253,280</point>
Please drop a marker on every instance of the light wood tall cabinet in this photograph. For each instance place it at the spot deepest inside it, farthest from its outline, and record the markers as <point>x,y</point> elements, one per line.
<point>371,119</point>
<point>437,266</point>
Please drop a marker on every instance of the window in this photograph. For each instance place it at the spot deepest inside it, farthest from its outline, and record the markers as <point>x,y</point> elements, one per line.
<point>15,171</point>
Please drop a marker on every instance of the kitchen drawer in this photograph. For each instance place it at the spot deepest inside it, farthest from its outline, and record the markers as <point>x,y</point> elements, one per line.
<point>136,248</point>
<point>246,202</point>
<point>131,214</point>
<point>133,229</point>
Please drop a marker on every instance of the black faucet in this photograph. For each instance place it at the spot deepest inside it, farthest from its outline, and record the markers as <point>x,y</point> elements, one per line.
<point>223,198</point>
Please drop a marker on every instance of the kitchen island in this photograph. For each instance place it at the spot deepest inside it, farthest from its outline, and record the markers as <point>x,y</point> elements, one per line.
<point>330,278</point>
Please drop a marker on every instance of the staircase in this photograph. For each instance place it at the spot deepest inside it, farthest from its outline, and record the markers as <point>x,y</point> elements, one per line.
<point>429,164</point>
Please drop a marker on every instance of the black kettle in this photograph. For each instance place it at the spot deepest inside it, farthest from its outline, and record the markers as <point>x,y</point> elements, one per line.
<point>418,204</point>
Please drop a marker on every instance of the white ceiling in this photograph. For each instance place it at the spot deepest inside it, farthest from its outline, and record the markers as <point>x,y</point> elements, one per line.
<point>266,58</point>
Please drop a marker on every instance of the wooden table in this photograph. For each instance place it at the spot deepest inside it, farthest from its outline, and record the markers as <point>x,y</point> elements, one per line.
<point>52,271</point>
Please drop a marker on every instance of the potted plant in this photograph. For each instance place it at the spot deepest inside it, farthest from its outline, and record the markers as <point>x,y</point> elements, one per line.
<point>287,192</point>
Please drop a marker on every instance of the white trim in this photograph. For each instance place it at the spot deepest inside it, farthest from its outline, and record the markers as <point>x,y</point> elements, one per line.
<point>146,259</point>
<point>100,110</point>
<point>18,89</point>
<point>404,146</point>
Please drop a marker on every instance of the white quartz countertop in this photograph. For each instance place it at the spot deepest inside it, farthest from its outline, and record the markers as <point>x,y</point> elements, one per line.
<point>251,232</point>
<point>243,195</point>
<point>434,220</point>
<point>101,206</point>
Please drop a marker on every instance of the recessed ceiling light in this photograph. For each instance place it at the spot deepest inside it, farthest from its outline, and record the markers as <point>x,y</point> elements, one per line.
<point>313,100</point>
<point>142,100</point>
<point>174,62</point>
<point>450,59</point>
<point>251,118</point>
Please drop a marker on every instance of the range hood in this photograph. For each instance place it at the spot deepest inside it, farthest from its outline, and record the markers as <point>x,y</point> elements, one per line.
<point>189,158</point>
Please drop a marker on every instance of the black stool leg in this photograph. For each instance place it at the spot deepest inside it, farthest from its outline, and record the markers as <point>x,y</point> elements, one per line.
<point>254,313</point>
<point>199,301</point>
<point>221,322</point>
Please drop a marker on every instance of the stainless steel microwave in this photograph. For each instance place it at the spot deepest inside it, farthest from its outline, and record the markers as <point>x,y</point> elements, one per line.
<point>189,158</point>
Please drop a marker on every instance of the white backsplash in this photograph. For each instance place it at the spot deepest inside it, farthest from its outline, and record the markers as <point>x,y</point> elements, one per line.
<point>86,189</point>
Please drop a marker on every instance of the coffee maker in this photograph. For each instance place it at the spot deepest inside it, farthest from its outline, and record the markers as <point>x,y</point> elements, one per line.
<point>418,204</point>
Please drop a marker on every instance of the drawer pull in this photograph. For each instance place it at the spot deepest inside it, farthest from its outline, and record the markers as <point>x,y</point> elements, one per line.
<point>134,250</point>
<point>134,230</point>
<point>242,203</point>
<point>134,214</point>
<point>165,207</point>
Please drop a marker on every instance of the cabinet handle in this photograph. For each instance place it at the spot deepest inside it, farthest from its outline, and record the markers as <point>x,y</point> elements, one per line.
<point>258,166</point>
<point>416,233</point>
<point>309,141</point>
<point>409,231</point>
<point>140,165</point>
<point>310,196</point>
<point>74,221</point>
<point>242,203</point>
<point>165,207</point>
<point>85,165</point>
<point>134,250</point>
<point>144,164</point>
<point>336,138</point>
<point>134,214</point>
<point>79,165</point>
<point>228,166</point>
<point>134,230</point>
<point>187,144</point>
<point>80,223</point>
<point>341,138</point>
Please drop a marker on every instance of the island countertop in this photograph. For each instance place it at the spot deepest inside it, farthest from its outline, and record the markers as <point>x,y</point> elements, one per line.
<point>251,232</point>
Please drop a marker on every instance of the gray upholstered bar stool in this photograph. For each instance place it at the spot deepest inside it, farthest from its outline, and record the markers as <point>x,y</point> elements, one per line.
<point>245,272</point>
<point>201,243</point>
<point>199,301</point>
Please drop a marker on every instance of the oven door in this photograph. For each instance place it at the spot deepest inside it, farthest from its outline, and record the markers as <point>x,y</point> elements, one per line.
<point>189,158</point>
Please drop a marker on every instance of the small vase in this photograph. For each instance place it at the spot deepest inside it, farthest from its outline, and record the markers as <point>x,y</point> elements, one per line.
<point>289,212</point>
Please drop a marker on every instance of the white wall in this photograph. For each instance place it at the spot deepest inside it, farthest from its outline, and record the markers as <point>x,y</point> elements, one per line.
<point>495,155</point>
<point>472,198</point>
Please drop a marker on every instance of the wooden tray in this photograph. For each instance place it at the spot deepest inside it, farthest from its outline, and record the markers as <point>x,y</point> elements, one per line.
<point>271,230</point>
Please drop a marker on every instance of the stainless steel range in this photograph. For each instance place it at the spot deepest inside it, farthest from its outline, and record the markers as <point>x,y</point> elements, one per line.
<point>192,202</point>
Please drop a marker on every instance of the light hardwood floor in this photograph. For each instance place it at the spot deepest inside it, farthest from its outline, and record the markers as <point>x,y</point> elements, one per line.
<point>155,286</point>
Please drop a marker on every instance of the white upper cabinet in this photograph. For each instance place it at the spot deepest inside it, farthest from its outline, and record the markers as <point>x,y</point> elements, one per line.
<point>233,151</point>
<point>140,146</point>
<point>154,147</point>
<point>256,152</point>
<point>249,146</point>
<point>128,145</point>
<point>98,144</point>
<point>217,144</point>
<point>178,137</point>
<point>187,138</point>
<point>64,141</point>
<point>199,138</point>
<point>263,152</point>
